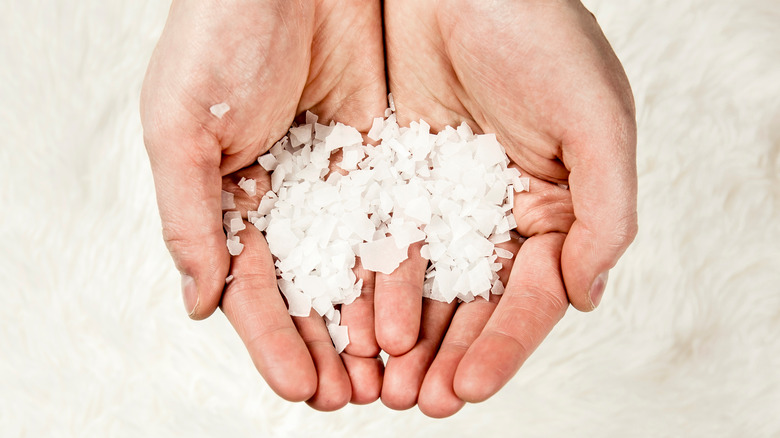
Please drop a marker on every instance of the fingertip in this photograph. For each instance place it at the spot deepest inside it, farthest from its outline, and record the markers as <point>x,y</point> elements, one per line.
<point>437,396</point>
<point>405,374</point>
<point>398,303</point>
<point>402,380</point>
<point>253,305</point>
<point>365,376</point>
<point>187,184</point>
<point>585,263</point>
<point>442,409</point>
<point>304,389</point>
<point>285,364</point>
<point>200,303</point>
<point>334,389</point>
<point>189,293</point>
<point>397,339</point>
<point>202,259</point>
<point>597,289</point>
<point>603,185</point>
<point>398,399</point>
<point>486,367</point>
<point>359,317</point>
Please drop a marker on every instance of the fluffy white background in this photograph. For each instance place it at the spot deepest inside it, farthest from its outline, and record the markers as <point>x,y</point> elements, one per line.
<point>94,341</point>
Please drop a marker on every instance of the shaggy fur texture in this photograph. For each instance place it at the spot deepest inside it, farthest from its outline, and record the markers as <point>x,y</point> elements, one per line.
<point>94,340</point>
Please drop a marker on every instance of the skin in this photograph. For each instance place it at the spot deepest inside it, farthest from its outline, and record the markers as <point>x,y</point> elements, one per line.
<point>270,61</point>
<point>543,78</point>
<point>538,74</point>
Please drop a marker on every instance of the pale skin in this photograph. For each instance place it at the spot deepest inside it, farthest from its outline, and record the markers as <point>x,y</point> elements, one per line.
<point>542,76</point>
<point>269,60</point>
<point>539,74</point>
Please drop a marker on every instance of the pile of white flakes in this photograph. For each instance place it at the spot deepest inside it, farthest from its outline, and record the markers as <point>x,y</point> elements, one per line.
<point>452,190</point>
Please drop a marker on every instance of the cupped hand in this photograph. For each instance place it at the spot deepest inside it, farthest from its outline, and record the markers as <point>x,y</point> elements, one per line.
<point>294,355</point>
<point>268,60</point>
<point>544,79</point>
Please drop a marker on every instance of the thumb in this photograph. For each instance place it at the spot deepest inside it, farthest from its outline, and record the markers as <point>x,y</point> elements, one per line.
<point>603,186</point>
<point>188,182</point>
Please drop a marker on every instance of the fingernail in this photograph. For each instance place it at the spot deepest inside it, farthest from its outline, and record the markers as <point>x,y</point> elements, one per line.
<point>597,288</point>
<point>189,291</point>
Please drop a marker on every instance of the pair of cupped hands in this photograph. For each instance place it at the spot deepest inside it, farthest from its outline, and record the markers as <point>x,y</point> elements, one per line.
<point>538,74</point>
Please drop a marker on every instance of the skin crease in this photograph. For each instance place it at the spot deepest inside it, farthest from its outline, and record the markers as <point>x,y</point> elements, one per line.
<point>268,60</point>
<point>541,75</point>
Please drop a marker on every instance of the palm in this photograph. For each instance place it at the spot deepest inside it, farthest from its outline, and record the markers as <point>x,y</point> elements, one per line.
<point>269,65</point>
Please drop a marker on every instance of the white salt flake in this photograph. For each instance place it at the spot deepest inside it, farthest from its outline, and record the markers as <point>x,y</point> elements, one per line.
<point>352,155</point>
<point>298,304</point>
<point>498,288</point>
<point>425,252</point>
<point>405,233</point>
<point>523,184</point>
<point>382,255</point>
<point>235,247</point>
<point>340,336</point>
<point>228,217</point>
<point>281,238</point>
<point>342,135</point>
<point>376,128</point>
<point>503,253</point>
<point>300,135</point>
<point>236,225</point>
<point>219,109</point>
<point>419,209</point>
<point>267,162</point>
<point>489,151</point>
<point>261,223</point>
<point>253,216</point>
<point>267,203</point>
<point>497,238</point>
<point>249,186</point>
<point>227,201</point>
<point>453,190</point>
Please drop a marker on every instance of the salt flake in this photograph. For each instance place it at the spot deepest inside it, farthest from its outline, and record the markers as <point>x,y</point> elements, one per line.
<point>219,109</point>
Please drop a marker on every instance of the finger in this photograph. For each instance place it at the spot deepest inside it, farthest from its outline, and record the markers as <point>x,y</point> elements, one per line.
<point>404,374</point>
<point>533,302</point>
<point>255,308</point>
<point>333,385</point>
<point>398,303</point>
<point>603,186</point>
<point>359,317</point>
<point>365,376</point>
<point>437,395</point>
<point>187,182</point>
<point>360,355</point>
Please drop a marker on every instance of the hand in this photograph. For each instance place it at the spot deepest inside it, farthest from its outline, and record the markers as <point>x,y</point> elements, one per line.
<point>269,60</point>
<point>542,76</point>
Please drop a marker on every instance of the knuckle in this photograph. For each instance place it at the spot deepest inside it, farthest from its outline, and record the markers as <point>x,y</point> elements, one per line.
<point>625,231</point>
<point>247,286</point>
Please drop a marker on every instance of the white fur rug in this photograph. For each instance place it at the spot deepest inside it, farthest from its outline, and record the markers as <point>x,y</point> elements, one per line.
<point>94,340</point>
